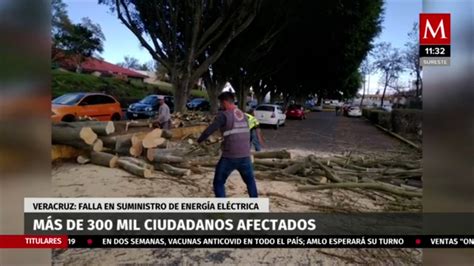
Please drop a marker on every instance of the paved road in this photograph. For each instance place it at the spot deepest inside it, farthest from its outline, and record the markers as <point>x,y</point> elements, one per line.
<point>326,132</point>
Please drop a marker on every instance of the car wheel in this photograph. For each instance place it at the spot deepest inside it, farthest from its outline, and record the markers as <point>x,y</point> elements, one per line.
<point>68,118</point>
<point>116,117</point>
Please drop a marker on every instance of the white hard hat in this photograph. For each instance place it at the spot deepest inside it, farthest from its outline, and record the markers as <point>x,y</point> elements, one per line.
<point>161,97</point>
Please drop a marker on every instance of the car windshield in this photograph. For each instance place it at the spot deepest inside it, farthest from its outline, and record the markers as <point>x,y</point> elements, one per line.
<point>265,108</point>
<point>68,99</point>
<point>149,100</point>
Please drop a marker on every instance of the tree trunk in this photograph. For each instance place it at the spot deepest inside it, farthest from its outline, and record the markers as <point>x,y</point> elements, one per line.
<point>134,168</point>
<point>156,155</point>
<point>384,89</point>
<point>99,127</point>
<point>242,96</point>
<point>104,159</point>
<point>213,92</point>
<point>363,95</point>
<point>182,90</point>
<point>175,171</point>
<point>78,137</point>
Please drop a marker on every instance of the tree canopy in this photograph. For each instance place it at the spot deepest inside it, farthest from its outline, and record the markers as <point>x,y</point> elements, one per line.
<point>292,48</point>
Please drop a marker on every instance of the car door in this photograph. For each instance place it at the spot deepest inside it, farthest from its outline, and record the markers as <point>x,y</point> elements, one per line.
<point>88,107</point>
<point>107,106</point>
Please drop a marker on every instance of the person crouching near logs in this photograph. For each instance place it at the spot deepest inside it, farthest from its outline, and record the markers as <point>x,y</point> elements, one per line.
<point>233,125</point>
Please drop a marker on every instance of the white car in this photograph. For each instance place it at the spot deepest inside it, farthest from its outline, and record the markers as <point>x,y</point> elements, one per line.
<point>270,114</point>
<point>354,111</point>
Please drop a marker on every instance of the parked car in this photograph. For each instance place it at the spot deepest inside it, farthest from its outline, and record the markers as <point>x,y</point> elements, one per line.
<point>148,106</point>
<point>270,114</point>
<point>296,111</point>
<point>69,107</point>
<point>354,111</point>
<point>199,104</point>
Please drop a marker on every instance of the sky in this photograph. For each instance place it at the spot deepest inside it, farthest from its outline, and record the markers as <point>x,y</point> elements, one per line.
<point>398,20</point>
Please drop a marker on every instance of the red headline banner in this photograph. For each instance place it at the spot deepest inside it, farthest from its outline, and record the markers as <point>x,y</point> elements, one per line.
<point>32,241</point>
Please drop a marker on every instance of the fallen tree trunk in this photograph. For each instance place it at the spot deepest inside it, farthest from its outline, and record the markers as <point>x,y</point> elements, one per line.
<point>376,186</point>
<point>153,139</point>
<point>134,169</point>
<point>282,154</point>
<point>136,148</point>
<point>78,137</point>
<point>295,168</point>
<point>167,134</point>
<point>130,124</point>
<point>99,127</point>
<point>156,155</point>
<point>277,163</point>
<point>138,162</point>
<point>329,174</point>
<point>97,145</point>
<point>123,144</point>
<point>104,159</point>
<point>173,170</point>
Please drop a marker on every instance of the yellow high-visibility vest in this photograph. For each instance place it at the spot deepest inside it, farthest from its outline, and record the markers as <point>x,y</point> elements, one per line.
<point>253,122</point>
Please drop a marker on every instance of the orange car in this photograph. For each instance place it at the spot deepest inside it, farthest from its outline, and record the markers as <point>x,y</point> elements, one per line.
<point>69,107</point>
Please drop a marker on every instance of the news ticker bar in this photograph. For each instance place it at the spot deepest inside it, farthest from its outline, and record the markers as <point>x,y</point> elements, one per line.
<point>296,241</point>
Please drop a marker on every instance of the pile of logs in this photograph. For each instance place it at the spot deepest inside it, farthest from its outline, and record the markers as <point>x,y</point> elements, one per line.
<point>138,152</point>
<point>141,152</point>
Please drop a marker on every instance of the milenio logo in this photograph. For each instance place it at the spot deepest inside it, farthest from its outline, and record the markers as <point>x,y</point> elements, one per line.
<point>435,39</point>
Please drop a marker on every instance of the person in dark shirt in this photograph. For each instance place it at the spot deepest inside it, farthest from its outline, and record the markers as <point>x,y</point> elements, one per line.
<point>233,125</point>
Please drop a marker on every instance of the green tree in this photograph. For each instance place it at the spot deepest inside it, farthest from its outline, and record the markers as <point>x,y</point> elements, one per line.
<point>412,58</point>
<point>130,62</point>
<point>80,41</point>
<point>59,17</point>
<point>389,62</point>
<point>178,34</point>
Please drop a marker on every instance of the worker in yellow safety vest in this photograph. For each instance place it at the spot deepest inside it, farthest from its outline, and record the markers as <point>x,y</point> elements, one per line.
<point>255,136</point>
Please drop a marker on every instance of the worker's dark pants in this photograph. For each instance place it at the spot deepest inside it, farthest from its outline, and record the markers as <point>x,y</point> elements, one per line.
<point>224,168</point>
<point>166,125</point>
<point>254,139</point>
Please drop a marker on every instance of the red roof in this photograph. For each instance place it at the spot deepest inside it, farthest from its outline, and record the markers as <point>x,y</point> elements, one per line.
<point>93,64</point>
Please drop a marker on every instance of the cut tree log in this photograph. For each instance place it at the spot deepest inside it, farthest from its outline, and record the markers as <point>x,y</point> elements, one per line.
<point>123,144</point>
<point>329,174</point>
<point>133,123</point>
<point>175,171</point>
<point>178,133</point>
<point>153,139</point>
<point>101,128</point>
<point>104,159</point>
<point>98,145</point>
<point>65,152</point>
<point>281,154</point>
<point>156,155</point>
<point>81,159</point>
<point>295,168</point>
<point>136,148</point>
<point>139,162</point>
<point>78,137</point>
<point>167,134</point>
<point>134,168</point>
<point>376,186</point>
